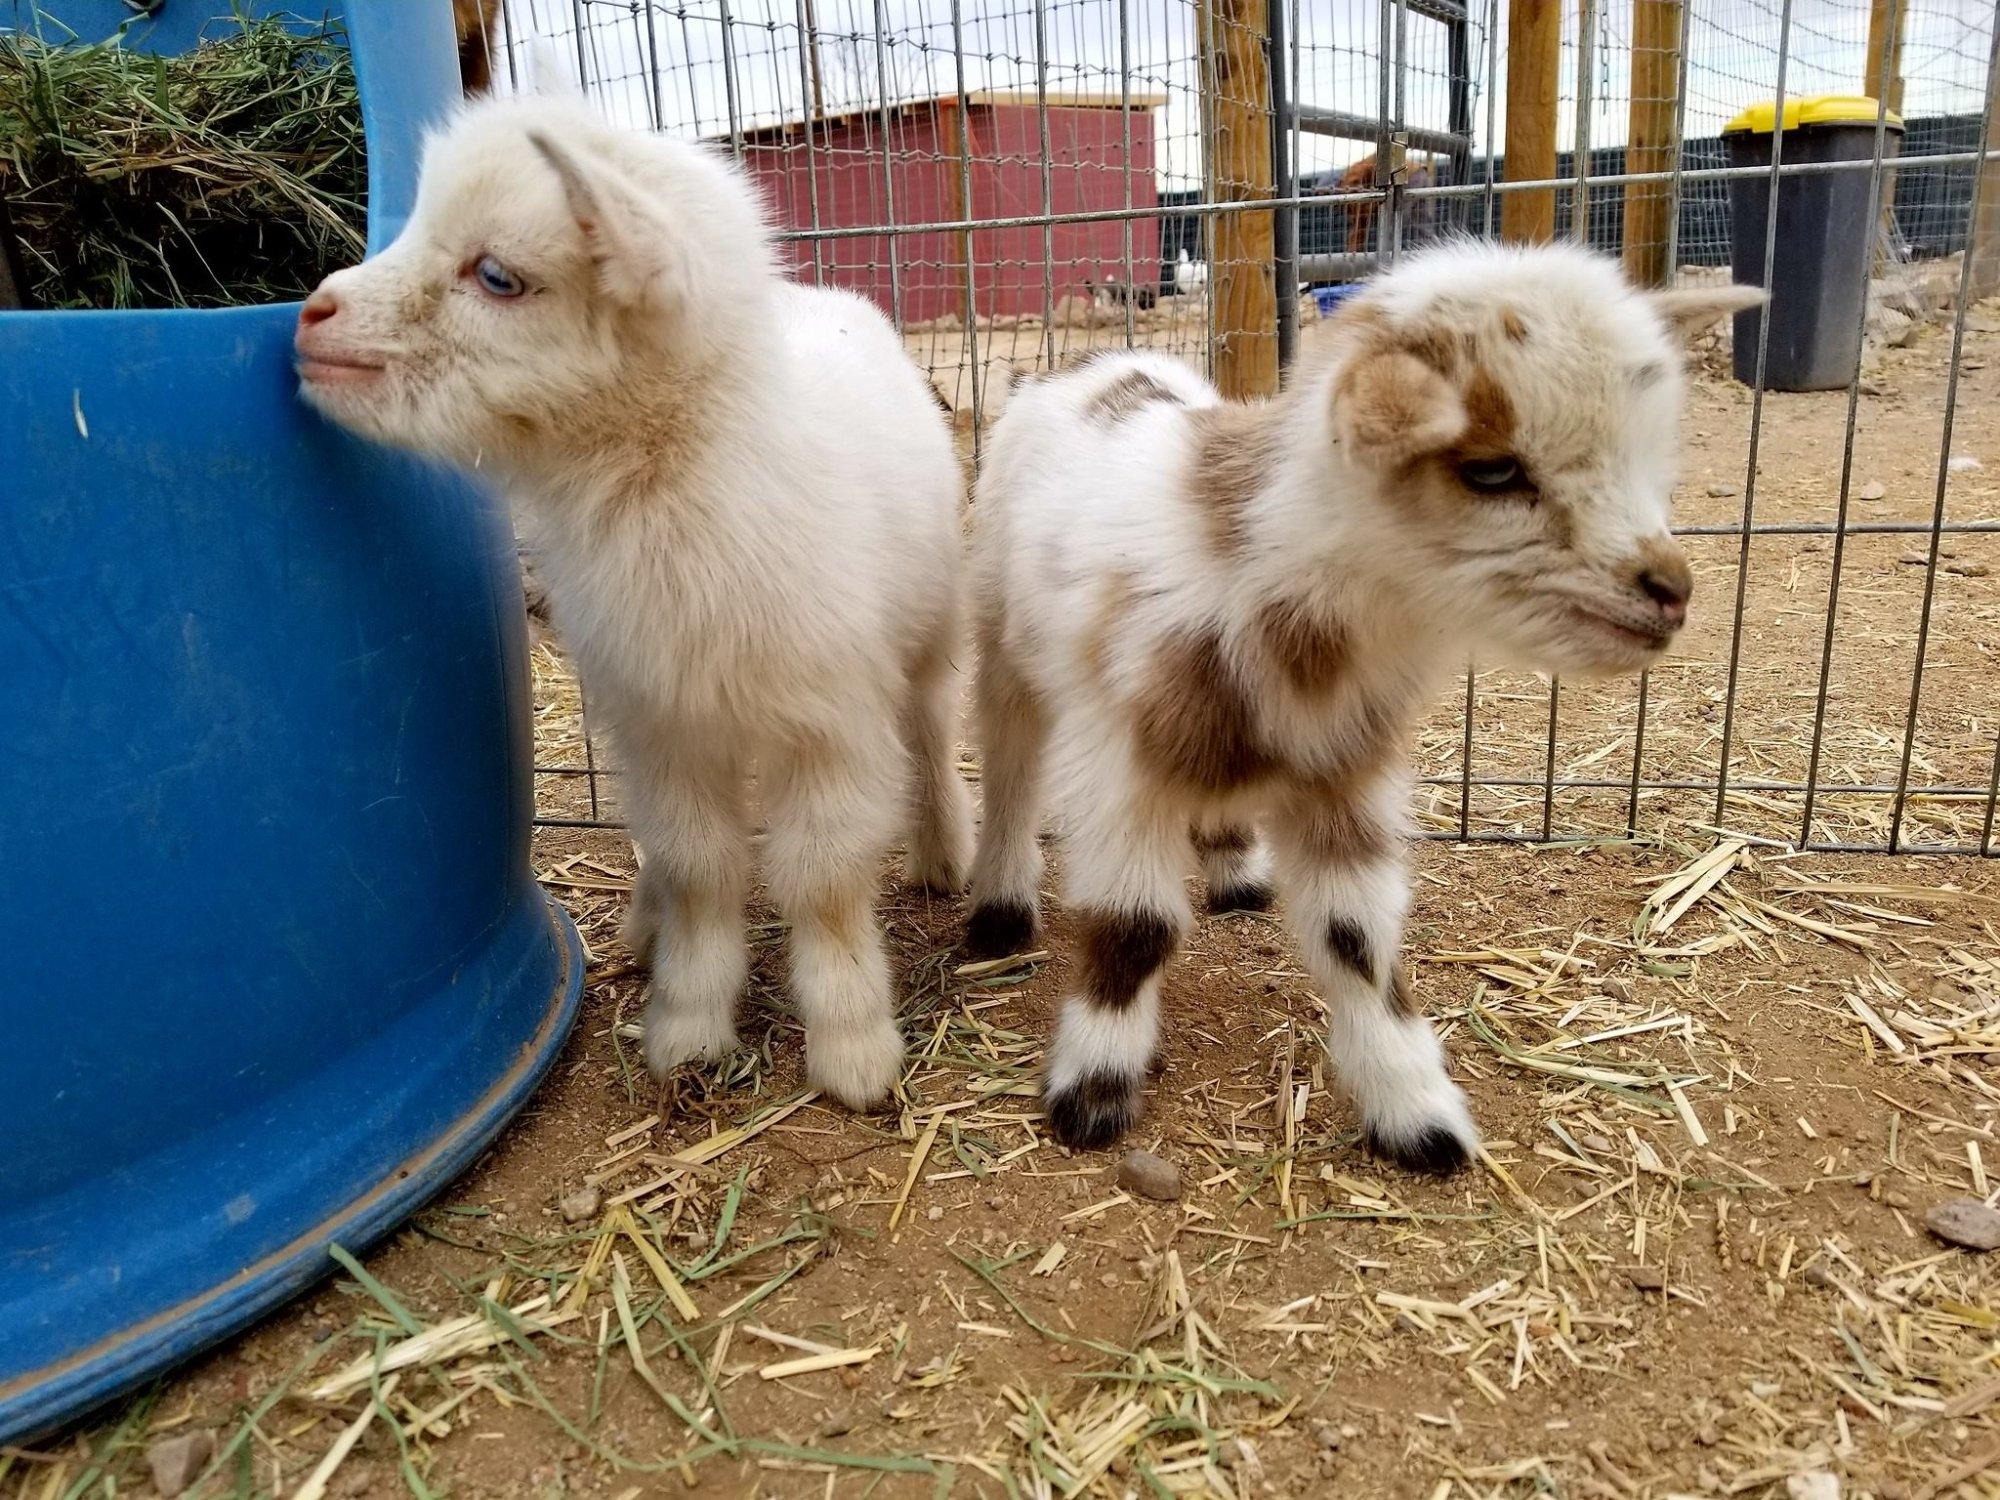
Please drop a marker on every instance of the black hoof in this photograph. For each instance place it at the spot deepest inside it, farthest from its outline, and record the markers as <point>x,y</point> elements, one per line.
<point>1239,898</point>
<point>1094,1111</point>
<point>1433,1151</point>
<point>998,928</point>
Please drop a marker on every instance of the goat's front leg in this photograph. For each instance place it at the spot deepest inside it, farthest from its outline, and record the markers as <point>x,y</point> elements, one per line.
<point>831,808</point>
<point>1125,853</point>
<point>1341,869</point>
<point>687,815</point>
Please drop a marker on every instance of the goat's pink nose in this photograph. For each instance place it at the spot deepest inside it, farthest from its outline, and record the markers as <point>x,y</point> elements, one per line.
<point>319,307</point>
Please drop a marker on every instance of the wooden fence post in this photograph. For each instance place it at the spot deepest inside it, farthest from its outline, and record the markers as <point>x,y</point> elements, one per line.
<point>1534,67</point>
<point>1885,49</point>
<point>1983,234</point>
<point>1243,292</point>
<point>1651,142</point>
<point>1886,20</point>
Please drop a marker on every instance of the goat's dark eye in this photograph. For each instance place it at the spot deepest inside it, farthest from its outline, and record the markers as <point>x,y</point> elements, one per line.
<point>496,280</point>
<point>1491,473</point>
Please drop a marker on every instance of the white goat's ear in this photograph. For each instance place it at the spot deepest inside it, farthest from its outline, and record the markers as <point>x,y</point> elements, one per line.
<point>1689,310</point>
<point>550,73</point>
<point>623,239</point>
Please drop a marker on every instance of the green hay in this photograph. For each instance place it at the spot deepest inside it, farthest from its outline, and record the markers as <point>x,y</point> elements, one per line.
<point>233,174</point>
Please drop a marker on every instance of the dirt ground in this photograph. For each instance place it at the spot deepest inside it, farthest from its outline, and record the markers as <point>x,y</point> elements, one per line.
<point>1721,1086</point>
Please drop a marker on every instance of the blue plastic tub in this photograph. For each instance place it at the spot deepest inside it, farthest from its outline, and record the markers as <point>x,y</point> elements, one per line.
<point>1330,297</point>
<point>277,967</point>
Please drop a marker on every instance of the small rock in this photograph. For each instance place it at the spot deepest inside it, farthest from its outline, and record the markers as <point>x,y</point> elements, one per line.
<point>1965,1221</point>
<point>1964,463</point>
<point>176,1461</point>
<point>1244,1455</point>
<point>1816,1484</point>
<point>1646,1278</point>
<point>1597,1142</point>
<point>1722,491</point>
<point>1328,1435</point>
<point>1969,570</point>
<point>580,1205</point>
<point>1873,489</point>
<point>1150,1176</point>
<point>1617,987</point>
<point>934,1213</point>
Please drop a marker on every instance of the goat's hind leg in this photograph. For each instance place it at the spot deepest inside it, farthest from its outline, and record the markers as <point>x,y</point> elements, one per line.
<point>640,931</point>
<point>831,810</point>
<point>940,835</point>
<point>1340,866</point>
<point>1234,866</point>
<point>1007,872</point>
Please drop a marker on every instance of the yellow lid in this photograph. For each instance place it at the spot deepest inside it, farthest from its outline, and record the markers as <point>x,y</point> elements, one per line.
<point>1814,109</point>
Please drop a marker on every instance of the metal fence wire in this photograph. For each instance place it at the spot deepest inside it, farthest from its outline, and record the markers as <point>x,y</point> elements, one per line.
<point>1015,181</point>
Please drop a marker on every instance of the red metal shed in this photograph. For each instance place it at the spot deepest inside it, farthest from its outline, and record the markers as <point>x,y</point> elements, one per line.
<point>836,179</point>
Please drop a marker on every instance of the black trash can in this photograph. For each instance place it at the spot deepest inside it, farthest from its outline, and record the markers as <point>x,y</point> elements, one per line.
<point>1824,244</point>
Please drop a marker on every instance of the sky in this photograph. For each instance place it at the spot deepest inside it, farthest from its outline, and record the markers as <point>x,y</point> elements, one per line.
<point>665,64</point>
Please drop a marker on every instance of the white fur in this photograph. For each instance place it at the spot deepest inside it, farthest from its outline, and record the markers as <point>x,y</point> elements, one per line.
<point>744,504</point>
<point>1094,553</point>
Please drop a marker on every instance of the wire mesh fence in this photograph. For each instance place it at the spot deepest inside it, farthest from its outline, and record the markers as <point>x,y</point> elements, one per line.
<point>1017,181</point>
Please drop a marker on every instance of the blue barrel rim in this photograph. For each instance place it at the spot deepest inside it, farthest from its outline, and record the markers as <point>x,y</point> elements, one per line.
<point>58,1395</point>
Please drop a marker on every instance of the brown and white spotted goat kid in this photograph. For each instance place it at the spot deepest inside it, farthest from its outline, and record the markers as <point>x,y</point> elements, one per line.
<point>1215,617</point>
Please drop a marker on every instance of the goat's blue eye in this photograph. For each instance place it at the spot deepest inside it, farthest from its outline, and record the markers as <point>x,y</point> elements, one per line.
<point>496,280</point>
<point>1491,473</point>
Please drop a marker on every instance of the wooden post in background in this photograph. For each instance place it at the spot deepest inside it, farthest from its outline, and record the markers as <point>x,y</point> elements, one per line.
<point>817,104</point>
<point>1243,291</point>
<point>1886,22</point>
<point>1885,49</point>
<point>1984,243</point>
<point>954,131</point>
<point>1651,141</point>
<point>1534,68</point>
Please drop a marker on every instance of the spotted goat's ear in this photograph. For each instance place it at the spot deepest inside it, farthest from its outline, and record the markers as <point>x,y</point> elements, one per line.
<point>1391,401</point>
<point>1691,309</point>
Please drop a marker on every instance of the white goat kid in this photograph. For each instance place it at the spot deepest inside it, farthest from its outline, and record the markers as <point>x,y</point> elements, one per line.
<point>1209,617</point>
<point>744,502</point>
